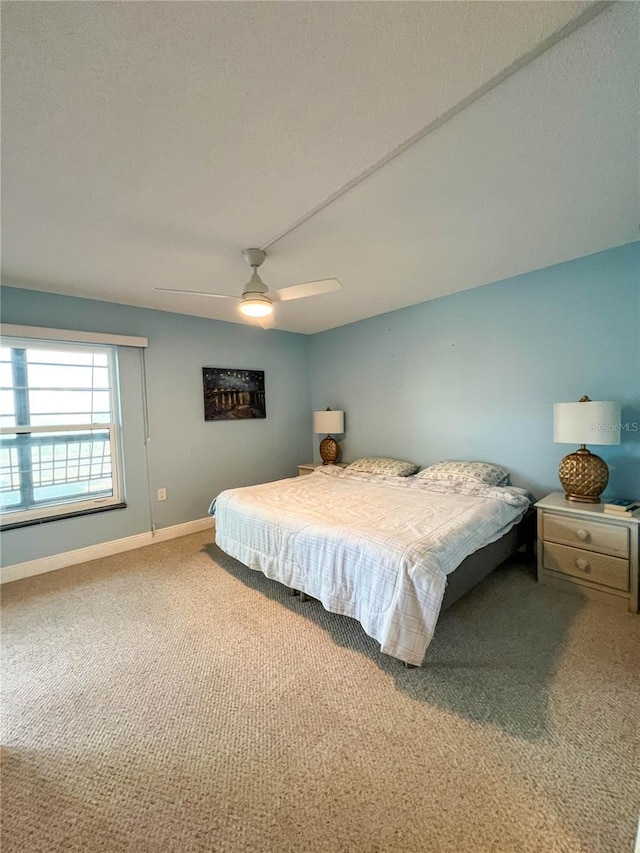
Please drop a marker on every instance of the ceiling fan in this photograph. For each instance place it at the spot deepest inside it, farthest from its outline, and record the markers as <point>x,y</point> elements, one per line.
<point>256,300</point>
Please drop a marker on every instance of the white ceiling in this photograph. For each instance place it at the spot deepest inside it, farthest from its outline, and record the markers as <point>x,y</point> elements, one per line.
<point>145,144</point>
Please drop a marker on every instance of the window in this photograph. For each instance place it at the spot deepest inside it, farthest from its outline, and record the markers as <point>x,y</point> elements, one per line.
<point>59,429</point>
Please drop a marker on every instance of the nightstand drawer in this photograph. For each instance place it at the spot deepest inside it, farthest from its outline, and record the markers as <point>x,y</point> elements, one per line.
<point>591,535</point>
<point>587,565</point>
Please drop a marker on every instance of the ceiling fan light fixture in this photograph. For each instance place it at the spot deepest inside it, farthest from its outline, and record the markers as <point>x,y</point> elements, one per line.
<point>255,305</point>
<point>256,302</point>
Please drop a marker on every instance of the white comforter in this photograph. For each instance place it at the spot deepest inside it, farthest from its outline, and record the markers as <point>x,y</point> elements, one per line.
<point>375,548</point>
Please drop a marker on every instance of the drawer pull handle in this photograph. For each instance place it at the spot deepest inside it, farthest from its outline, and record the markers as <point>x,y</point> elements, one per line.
<point>583,564</point>
<point>581,533</point>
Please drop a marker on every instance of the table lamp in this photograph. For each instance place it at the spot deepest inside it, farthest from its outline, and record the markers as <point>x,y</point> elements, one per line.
<point>329,421</point>
<point>584,476</point>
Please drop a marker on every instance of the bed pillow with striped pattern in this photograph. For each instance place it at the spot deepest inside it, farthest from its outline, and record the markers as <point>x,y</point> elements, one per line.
<point>383,465</point>
<point>468,472</point>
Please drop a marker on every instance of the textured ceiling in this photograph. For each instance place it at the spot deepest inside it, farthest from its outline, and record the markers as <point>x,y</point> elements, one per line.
<point>145,144</point>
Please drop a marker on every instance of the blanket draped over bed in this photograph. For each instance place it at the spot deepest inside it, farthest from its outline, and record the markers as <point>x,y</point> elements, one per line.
<point>372,547</point>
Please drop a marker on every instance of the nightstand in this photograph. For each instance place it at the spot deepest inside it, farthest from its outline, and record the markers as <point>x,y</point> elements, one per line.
<point>584,550</point>
<point>310,467</point>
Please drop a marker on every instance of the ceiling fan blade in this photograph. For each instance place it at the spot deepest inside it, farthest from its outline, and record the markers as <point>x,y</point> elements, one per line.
<point>309,288</point>
<point>268,322</point>
<point>197,293</point>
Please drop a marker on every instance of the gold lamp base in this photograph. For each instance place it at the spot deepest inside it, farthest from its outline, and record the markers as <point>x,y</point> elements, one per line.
<point>329,450</point>
<point>584,476</point>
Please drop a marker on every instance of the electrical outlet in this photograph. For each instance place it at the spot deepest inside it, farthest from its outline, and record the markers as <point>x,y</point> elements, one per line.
<point>162,494</point>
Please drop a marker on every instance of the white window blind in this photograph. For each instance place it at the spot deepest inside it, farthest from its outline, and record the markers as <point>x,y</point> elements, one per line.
<point>59,429</point>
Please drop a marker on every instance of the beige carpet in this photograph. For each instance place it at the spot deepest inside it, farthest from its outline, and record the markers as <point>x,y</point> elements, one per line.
<point>169,699</point>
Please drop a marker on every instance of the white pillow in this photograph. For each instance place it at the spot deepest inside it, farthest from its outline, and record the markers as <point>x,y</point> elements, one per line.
<point>469,472</point>
<point>383,465</point>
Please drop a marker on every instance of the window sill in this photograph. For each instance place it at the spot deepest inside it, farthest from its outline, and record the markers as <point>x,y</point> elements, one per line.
<point>15,525</point>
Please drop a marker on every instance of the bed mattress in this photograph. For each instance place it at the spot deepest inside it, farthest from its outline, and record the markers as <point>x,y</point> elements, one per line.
<point>375,548</point>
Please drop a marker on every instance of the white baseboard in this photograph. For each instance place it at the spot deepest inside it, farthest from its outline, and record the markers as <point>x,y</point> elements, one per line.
<point>177,530</point>
<point>104,549</point>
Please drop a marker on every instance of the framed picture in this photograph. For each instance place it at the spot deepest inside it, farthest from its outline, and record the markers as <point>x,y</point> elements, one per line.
<point>233,395</point>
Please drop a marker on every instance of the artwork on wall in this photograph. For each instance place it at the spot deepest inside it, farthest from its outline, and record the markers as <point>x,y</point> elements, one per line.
<point>231,395</point>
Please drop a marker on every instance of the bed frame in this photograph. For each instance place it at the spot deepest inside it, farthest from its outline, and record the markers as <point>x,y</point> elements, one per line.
<point>482,562</point>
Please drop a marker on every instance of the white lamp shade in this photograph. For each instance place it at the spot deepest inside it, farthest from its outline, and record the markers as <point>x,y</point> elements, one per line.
<point>593,422</point>
<point>329,422</point>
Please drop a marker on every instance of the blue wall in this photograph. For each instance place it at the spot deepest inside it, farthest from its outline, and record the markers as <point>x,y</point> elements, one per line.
<point>475,375</point>
<point>192,458</point>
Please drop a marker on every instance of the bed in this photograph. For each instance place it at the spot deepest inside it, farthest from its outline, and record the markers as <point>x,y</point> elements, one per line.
<point>388,551</point>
